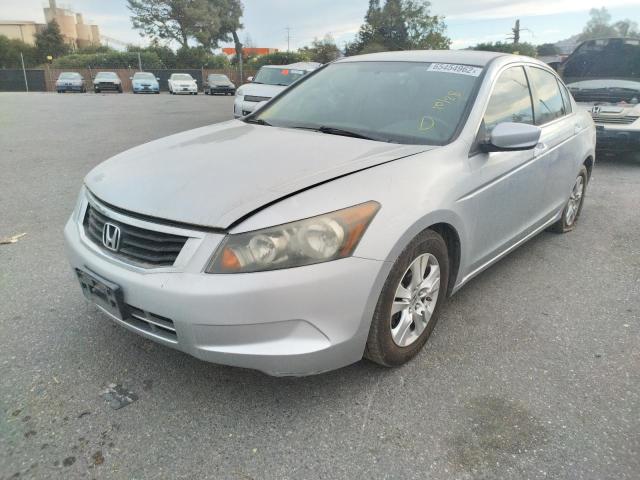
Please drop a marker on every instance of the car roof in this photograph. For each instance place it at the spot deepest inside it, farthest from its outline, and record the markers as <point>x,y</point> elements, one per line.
<point>307,66</point>
<point>464,57</point>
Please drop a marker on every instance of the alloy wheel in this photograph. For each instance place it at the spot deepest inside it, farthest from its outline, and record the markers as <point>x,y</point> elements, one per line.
<point>415,300</point>
<point>575,199</point>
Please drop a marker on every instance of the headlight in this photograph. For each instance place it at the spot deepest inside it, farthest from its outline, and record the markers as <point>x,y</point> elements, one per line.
<point>239,92</point>
<point>314,240</point>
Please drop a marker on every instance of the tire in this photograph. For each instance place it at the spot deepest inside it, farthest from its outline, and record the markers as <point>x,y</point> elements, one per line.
<point>119,90</point>
<point>386,346</point>
<point>573,208</point>
<point>97,90</point>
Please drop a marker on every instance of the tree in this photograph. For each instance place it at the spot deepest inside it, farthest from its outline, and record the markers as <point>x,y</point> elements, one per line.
<point>425,31</point>
<point>322,51</point>
<point>49,41</point>
<point>522,48</point>
<point>598,25</point>
<point>399,25</point>
<point>548,49</point>
<point>207,22</point>
<point>166,55</point>
<point>627,28</point>
<point>278,58</point>
<point>168,19</point>
<point>10,53</point>
<point>197,57</point>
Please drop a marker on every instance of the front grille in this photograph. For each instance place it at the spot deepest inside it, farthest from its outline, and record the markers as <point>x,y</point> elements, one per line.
<point>151,323</point>
<point>614,120</point>
<point>252,98</point>
<point>138,246</point>
<point>607,96</point>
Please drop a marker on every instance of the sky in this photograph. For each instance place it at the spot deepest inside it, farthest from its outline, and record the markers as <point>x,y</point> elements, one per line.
<point>266,21</point>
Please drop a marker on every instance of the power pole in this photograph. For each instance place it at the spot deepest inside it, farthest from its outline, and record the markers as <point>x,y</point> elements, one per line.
<point>24,72</point>
<point>516,32</point>
<point>288,29</point>
<point>139,62</point>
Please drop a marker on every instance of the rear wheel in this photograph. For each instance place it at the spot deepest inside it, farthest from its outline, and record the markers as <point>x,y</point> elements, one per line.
<point>573,208</point>
<point>409,304</point>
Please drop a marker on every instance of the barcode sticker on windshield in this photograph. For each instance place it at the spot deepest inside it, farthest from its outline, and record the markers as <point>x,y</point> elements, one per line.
<point>455,68</point>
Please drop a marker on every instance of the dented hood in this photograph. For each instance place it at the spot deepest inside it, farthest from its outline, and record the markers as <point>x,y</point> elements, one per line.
<point>215,175</point>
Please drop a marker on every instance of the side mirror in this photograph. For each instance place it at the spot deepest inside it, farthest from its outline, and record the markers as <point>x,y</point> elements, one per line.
<point>512,137</point>
<point>249,79</point>
<point>158,79</point>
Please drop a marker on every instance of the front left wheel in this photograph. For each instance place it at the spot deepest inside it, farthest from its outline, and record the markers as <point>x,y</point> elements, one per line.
<point>409,304</point>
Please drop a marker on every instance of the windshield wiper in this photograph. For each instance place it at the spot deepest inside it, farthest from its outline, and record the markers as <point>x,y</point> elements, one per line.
<point>257,121</point>
<point>345,133</point>
<point>341,131</point>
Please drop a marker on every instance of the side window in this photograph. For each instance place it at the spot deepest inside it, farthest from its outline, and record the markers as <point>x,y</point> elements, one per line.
<point>547,99</point>
<point>510,100</point>
<point>566,98</point>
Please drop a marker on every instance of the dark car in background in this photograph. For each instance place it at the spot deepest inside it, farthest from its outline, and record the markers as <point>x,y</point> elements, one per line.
<point>70,82</point>
<point>107,81</point>
<point>604,78</point>
<point>219,83</point>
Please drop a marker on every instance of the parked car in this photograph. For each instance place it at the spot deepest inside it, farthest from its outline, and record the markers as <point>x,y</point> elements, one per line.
<point>70,82</point>
<point>182,83</point>
<point>405,175</point>
<point>144,82</point>
<point>104,81</point>
<point>604,77</point>
<point>218,83</point>
<point>268,82</point>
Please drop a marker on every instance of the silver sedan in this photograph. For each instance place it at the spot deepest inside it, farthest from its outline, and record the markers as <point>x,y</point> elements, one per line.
<point>333,222</point>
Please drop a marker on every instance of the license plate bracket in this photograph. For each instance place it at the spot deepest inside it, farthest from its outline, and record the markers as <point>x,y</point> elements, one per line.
<point>102,292</point>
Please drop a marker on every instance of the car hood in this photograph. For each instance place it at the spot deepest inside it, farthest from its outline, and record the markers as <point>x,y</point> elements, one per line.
<point>215,175</point>
<point>261,90</point>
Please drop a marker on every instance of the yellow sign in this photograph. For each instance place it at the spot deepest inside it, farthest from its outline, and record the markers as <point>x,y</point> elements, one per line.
<point>49,57</point>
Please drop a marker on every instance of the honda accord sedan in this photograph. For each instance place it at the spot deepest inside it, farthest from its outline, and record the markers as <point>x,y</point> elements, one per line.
<point>332,223</point>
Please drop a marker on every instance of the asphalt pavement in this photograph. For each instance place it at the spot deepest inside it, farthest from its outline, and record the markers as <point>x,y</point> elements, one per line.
<point>532,372</point>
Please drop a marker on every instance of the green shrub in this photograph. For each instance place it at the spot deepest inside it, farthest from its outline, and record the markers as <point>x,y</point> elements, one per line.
<point>111,59</point>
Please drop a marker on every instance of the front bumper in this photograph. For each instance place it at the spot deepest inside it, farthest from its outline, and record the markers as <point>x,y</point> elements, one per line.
<point>297,321</point>
<point>617,140</point>
<point>224,90</point>
<point>69,88</point>
<point>107,86</point>
<point>242,108</point>
<point>184,90</point>
<point>146,89</point>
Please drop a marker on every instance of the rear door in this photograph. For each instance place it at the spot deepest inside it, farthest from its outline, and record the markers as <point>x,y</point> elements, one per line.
<point>556,151</point>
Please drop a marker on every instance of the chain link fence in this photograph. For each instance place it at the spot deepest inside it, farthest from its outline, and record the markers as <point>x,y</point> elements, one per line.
<point>44,80</point>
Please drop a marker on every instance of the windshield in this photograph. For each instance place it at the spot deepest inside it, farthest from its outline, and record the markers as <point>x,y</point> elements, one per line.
<point>402,102</point>
<point>218,78</point>
<point>106,75</point>
<point>182,76</point>
<point>606,58</point>
<point>278,76</point>
<point>70,76</point>
<point>144,76</point>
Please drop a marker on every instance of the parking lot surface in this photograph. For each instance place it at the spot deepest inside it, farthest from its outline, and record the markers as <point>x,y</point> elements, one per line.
<point>533,370</point>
